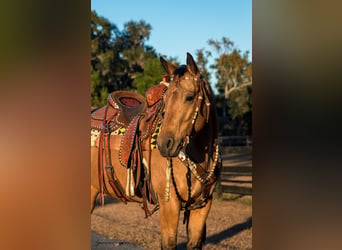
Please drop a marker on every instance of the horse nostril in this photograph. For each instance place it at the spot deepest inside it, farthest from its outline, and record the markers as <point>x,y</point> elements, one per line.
<point>169,143</point>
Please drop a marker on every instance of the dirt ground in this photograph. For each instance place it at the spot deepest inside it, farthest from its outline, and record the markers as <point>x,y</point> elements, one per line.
<point>229,224</point>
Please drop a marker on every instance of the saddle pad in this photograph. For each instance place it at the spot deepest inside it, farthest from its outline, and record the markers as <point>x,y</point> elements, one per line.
<point>95,133</point>
<point>155,135</point>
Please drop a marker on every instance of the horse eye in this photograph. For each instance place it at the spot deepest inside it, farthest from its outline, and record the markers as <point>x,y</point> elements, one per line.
<point>189,98</point>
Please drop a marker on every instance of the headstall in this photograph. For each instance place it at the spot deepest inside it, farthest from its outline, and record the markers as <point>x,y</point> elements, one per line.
<point>207,178</point>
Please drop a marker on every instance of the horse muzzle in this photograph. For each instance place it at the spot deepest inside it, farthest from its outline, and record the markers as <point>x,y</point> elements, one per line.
<point>168,146</point>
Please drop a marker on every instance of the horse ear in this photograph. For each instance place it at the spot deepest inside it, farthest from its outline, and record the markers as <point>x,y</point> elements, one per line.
<point>169,67</point>
<point>191,65</point>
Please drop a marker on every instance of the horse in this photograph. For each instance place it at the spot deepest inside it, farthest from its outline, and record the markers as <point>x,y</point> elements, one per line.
<point>181,170</point>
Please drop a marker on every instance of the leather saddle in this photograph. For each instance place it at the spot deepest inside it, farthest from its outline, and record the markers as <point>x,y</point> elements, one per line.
<point>131,111</point>
<point>122,107</point>
<point>136,115</point>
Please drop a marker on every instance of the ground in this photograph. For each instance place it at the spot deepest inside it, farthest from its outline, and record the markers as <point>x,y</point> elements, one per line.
<point>229,225</point>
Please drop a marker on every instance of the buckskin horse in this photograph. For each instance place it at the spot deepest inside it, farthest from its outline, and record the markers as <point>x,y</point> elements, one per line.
<point>161,149</point>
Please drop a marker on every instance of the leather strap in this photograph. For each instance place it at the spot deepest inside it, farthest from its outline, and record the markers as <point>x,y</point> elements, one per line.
<point>115,184</point>
<point>104,147</point>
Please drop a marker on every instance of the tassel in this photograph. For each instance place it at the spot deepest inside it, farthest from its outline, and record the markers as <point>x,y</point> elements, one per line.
<point>128,182</point>
<point>132,184</point>
<point>208,110</point>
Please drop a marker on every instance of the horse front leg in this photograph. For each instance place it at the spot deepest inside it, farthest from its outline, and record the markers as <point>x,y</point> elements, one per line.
<point>169,215</point>
<point>196,227</point>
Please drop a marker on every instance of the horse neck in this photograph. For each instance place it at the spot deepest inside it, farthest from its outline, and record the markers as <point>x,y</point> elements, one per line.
<point>203,144</point>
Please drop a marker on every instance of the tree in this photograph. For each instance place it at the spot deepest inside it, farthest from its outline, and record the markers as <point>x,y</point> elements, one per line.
<point>202,62</point>
<point>117,57</point>
<point>151,75</point>
<point>234,74</point>
<point>135,52</point>
<point>106,64</point>
<point>233,69</point>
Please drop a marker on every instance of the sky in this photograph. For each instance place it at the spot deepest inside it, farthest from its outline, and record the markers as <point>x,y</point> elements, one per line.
<point>181,26</point>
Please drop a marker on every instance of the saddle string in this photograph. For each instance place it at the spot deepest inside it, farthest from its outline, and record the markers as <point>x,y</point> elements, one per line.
<point>101,149</point>
<point>100,169</point>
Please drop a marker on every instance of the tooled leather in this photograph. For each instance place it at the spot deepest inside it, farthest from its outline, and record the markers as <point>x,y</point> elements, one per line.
<point>127,141</point>
<point>98,116</point>
<point>126,112</point>
<point>129,153</point>
<point>154,94</point>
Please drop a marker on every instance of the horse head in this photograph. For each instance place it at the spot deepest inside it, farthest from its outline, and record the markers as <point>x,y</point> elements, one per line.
<point>187,106</point>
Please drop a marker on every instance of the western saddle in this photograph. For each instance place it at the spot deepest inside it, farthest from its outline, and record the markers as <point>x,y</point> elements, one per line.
<point>135,118</point>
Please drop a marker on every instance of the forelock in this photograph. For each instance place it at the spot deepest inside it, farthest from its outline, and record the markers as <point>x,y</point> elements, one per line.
<point>180,71</point>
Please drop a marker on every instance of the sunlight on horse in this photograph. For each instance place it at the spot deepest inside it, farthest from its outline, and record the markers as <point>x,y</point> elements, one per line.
<point>161,150</point>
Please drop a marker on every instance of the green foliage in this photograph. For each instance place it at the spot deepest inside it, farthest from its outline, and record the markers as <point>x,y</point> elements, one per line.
<point>135,52</point>
<point>117,57</point>
<point>202,62</point>
<point>240,110</point>
<point>99,94</point>
<point>106,64</point>
<point>234,75</point>
<point>239,103</point>
<point>151,75</point>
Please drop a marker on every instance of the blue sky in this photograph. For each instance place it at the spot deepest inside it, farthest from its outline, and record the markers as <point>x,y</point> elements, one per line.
<point>184,26</point>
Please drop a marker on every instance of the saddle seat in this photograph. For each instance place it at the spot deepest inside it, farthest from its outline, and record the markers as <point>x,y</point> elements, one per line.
<point>129,103</point>
<point>122,107</point>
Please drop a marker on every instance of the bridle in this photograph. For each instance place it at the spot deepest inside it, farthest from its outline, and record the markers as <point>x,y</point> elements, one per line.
<point>203,95</point>
<point>206,178</point>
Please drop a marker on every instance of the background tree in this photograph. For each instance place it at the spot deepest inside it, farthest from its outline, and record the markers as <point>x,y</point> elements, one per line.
<point>118,57</point>
<point>106,63</point>
<point>234,82</point>
<point>202,62</point>
<point>151,75</point>
<point>135,51</point>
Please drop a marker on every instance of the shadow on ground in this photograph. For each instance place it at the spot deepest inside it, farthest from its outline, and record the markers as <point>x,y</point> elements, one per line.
<point>107,200</point>
<point>227,233</point>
